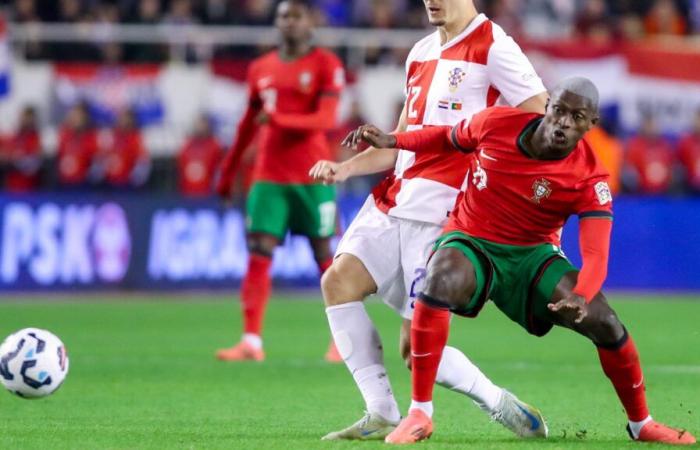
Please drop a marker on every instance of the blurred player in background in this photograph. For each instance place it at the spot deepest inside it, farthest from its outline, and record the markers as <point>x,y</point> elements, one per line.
<point>468,64</point>
<point>293,100</point>
<point>502,243</point>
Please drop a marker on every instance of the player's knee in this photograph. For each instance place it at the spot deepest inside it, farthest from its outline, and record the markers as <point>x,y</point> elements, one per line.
<point>608,329</point>
<point>446,282</point>
<point>337,287</point>
<point>261,245</point>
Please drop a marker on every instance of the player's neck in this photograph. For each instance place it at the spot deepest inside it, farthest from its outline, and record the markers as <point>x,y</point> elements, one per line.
<point>451,30</point>
<point>289,51</point>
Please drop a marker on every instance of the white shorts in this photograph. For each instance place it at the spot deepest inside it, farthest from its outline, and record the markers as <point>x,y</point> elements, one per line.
<point>393,250</point>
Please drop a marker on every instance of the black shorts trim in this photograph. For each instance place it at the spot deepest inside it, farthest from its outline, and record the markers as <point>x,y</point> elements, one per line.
<point>535,326</point>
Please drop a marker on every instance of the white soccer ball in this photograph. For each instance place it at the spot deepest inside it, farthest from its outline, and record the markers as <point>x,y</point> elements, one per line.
<point>33,363</point>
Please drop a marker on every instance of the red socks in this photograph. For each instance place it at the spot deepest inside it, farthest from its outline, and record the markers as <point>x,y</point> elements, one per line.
<point>255,292</point>
<point>625,373</point>
<point>324,265</point>
<point>429,330</point>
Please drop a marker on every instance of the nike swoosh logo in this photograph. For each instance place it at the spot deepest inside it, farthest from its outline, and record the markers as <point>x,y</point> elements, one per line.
<point>413,78</point>
<point>420,355</point>
<point>484,155</point>
<point>534,422</point>
<point>368,432</point>
<point>264,82</point>
<point>635,386</point>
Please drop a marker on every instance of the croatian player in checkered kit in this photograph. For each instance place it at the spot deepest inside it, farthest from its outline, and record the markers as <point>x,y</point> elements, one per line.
<point>465,66</point>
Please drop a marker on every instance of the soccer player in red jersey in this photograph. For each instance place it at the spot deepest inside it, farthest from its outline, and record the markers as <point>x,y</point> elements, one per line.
<point>293,100</point>
<point>530,174</point>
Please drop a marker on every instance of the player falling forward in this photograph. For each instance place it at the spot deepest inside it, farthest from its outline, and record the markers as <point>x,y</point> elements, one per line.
<point>531,173</point>
<point>293,99</point>
<point>468,64</point>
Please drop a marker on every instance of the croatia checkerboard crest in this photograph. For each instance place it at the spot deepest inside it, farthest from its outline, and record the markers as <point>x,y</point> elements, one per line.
<point>455,78</point>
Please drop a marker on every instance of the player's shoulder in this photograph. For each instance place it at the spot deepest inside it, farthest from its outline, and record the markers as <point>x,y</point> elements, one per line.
<point>506,117</point>
<point>587,162</point>
<point>264,60</point>
<point>423,48</point>
<point>326,56</point>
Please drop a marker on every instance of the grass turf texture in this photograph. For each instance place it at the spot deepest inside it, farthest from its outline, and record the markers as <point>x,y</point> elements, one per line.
<point>143,376</point>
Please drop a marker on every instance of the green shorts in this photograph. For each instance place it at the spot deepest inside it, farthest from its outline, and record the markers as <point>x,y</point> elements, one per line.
<point>520,280</point>
<point>306,209</point>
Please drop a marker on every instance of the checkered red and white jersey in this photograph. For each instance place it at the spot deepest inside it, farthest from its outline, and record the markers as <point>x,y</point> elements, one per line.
<point>444,85</point>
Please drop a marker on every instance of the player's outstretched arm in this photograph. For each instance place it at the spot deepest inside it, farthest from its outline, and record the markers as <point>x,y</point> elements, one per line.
<point>594,242</point>
<point>371,161</point>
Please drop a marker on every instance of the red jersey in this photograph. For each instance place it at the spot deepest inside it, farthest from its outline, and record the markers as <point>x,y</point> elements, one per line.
<point>515,199</point>
<point>76,150</point>
<point>24,152</point>
<point>689,156</point>
<point>122,152</point>
<point>287,149</point>
<point>652,160</point>
<point>196,165</point>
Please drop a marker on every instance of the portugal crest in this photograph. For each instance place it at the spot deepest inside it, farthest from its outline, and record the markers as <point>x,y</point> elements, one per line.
<point>540,190</point>
<point>455,78</point>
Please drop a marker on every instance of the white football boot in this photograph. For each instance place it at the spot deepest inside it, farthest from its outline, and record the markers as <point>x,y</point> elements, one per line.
<point>371,426</point>
<point>522,419</point>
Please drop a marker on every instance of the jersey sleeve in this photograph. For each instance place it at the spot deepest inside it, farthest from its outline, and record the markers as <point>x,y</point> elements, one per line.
<point>466,135</point>
<point>595,198</point>
<point>511,72</point>
<point>332,75</point>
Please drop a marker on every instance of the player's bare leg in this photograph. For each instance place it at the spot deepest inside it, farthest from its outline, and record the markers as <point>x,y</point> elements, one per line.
<point>451,281</point>
<point>458,374</point>
<point>255,292</point>
<point>345,285</point>
<point>619,360</point>
<point>324,258</point>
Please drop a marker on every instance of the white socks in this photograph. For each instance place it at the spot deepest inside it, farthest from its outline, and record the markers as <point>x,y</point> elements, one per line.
<point>359,344</point>
<point>456,372</point>
<point>254,340</point>
<point>636,427</point>
<point>426,407</point>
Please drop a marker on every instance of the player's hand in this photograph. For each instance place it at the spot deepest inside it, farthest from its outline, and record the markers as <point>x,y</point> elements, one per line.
<point>329,172</point>
<point>572,306</point>
<point>371,135</point>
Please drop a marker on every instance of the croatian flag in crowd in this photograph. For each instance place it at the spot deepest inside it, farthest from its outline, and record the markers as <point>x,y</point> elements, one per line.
<point>110,89</point>
<point>5,60</point>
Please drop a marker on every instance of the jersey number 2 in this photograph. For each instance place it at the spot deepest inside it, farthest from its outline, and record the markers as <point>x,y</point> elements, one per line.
<point>413,94</point>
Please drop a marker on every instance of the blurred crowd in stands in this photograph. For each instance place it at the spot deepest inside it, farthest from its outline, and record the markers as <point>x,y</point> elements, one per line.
<point>599,20</point>
<point>115,157</point>
<point>647,162</point>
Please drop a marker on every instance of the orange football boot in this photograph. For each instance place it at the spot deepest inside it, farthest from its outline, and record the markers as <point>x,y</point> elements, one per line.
<point>658,432</point>
<point>333,355</point>
<point>242,351</point>
<point>416,427</point>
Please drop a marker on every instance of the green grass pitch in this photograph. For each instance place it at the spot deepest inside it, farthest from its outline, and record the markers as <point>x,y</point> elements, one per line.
<point>143,376</point>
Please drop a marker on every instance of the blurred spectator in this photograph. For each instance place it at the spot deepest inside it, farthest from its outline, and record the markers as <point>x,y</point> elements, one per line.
<point>21,154</point>
<point>649,160</point>
<point>123,160</point>
<point>198,160</point>
<point>178,19</point>
<point>594,22</point>
<point>664,18</point>
<point>506,13</point>
<point>689,155</point>
<point>25,13</point>
<point>255,12</point>
<point>610,151</point>
<point>77,147</point>
<point>147,13</point>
